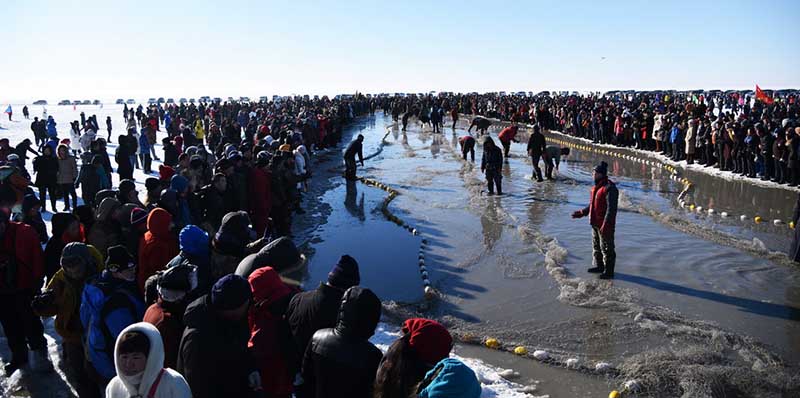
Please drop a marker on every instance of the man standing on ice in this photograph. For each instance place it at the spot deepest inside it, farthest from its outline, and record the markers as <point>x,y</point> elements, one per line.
<point>602,212</point>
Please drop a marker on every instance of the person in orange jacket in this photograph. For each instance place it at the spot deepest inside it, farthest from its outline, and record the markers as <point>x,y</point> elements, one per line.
<point>157,247</point>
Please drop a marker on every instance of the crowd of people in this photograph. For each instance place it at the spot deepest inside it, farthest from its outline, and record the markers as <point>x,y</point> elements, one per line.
<point>734,131</point>
<point>193,291</point>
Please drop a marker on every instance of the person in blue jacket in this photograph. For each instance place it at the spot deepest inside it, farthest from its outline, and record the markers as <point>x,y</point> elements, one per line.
<point>144,151</point>
<point>450,378</point>
<point>51,127</point>
<point>109,303</point>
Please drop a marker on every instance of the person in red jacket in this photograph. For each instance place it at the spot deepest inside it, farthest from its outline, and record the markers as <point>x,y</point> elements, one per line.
<point>271,341</point>
<point>602,212</point>
<point>21,273</point>
<point>507,135</point>
<point>260,185</point>
<point>157,247</point>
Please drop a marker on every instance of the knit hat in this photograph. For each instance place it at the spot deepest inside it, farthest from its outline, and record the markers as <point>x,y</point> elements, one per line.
<point>429,339</point>
<point>345,273</point>
<point>230,292</point>
<point>119,259</point>
<point>138,216</point>
<point>602,168</point>
<point>74,252</point>
<point>193,240</point>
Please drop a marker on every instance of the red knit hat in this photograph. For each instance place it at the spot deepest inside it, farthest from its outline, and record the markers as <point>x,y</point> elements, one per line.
<point>429,339</point>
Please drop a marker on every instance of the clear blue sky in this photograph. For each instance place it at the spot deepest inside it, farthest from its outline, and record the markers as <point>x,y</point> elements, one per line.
<point>109,49</point>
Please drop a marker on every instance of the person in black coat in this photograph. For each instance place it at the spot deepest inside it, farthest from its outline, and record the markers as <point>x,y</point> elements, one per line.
<point>317,309</point>
<point>212,203</point>
<point>491,164</point>
<point>170,152</point>
<point>794,252</point>
<point>123,158</point>
<point>341,362</point>
<point>355,148</point>
<point>22,150</point>
<point>33,217</point>
<point>536,147</point>
<point>66,229</point>
<point>213,354</point>
<point>46,168</point>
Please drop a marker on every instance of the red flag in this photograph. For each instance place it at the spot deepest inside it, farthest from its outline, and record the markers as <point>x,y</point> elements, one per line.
<point>761,96</point>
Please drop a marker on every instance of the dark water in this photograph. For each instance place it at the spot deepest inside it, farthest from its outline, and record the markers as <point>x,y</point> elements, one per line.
<point>513,267</point>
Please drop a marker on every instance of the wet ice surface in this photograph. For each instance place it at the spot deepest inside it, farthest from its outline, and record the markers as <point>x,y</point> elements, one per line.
<point>684,280</point>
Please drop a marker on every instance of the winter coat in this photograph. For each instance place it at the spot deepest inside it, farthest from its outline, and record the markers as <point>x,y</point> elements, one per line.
<point>169,383</point>
<point>260,186</point>
<point>311,311</point>
<point>536,144</point>
<point>270,338</point>
<point>67,170</point>
<point>168,319</point>
<point>51,128</point>
<point>691,136</point>
<point>66,304</point>
<point>26,269</point>
<point>55,245</point>
<point>105,232</point>
<point>602,207</point>
<point>46,169</point>
<point>93,179</point>
<point>144,144</point>
<point>212,206</point>
<point>492,159</point>
<point>157,247</point>
<point>508,134</point>
<point>74,139</point>
<point>86,140</point>
<point>108,305</point>
<point>341,361</point>
<point>213,354</point>
<point>451,378</point>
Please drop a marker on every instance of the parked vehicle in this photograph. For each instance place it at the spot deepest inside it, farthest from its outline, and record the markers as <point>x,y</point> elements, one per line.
<point>65,102</point>
<point>130,101</point>
<point>120,101</point>
<point>40,102</point>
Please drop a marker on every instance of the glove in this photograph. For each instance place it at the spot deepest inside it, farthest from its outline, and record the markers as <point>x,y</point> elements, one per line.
<point>254,381</point>
<point>42,301</point>
<point>577,214</point>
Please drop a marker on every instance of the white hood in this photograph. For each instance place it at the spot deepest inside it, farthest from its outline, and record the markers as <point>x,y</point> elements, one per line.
<point>155,358</point>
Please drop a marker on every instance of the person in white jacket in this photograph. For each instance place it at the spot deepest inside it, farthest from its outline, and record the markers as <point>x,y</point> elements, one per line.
<point>139,360</point>
<point>75,139</point>
<point>300,169</point>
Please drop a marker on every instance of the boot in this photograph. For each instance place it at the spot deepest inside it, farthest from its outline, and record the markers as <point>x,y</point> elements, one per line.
<point>596,270</point>
<point>606,275</point>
